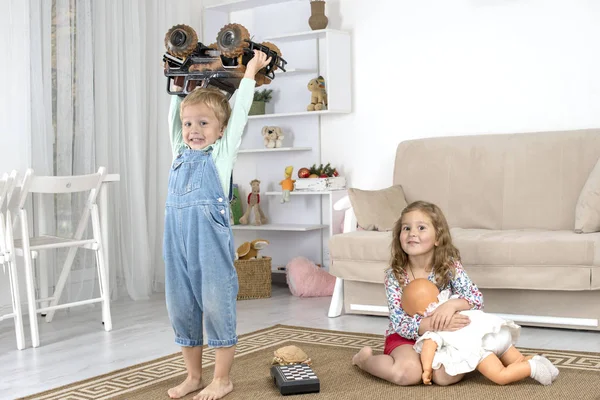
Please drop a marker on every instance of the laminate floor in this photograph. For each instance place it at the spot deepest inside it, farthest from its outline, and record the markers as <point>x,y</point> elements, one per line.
<point>75,346</point>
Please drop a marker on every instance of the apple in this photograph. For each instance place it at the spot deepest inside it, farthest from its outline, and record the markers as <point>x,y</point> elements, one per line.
<point>303,173</point>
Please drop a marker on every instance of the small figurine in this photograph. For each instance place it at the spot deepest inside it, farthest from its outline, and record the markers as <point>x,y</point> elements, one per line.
<point>254,203</point>
<point>318,94</point>
<point>272,136</point>
<point>287,185</point>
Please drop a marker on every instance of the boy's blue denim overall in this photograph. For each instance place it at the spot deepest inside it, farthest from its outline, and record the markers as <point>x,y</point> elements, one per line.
<point>201,280</point>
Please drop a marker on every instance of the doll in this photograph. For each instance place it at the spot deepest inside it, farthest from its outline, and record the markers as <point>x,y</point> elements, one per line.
<point>486,344</point>
<point>254,204</point>
<point>287,185</point>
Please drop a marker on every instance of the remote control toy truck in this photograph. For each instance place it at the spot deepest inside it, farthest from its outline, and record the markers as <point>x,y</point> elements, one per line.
<point>189,64</point>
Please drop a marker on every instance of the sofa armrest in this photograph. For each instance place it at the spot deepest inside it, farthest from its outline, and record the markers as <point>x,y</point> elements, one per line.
<point>350,223</point>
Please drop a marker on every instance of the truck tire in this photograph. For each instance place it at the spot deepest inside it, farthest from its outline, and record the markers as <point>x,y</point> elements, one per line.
<point>231,40</point>
<point>274,48</point>
<point>181,40</point>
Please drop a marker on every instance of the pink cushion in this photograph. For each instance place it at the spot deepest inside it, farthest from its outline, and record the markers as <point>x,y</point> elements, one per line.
<point>305,279</point>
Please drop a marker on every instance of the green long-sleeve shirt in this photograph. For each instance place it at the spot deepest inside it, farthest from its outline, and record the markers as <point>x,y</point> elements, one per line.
<point>226,148</point>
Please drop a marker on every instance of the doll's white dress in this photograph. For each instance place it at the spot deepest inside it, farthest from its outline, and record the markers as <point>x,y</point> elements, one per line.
<point>462,350</point>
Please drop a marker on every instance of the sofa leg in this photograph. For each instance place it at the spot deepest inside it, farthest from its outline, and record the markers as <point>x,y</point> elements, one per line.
<point>337,300</point>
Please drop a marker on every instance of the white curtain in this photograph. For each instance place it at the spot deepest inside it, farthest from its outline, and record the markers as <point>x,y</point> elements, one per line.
<point>131,129</point>
<point>98,98</point>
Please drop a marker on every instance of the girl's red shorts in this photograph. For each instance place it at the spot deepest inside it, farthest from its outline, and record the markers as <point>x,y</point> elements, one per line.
<point>394,340</point>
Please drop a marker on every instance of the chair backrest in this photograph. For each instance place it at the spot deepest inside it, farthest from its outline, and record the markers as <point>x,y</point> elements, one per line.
<point>7,186</point>
<point>62,184</point>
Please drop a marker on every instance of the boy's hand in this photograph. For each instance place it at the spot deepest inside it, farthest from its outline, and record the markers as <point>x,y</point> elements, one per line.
<point>258,62</point>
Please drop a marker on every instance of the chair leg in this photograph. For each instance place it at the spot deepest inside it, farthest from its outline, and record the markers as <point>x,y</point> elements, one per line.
<point>35,335</point>
<point>67,265</point>
<point>16,304</point>
<point>60,284</point>
<point>337,300</point>
<point>103,273</point>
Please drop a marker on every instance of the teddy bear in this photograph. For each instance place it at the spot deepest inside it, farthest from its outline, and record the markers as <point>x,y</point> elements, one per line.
<point>318,94</point>
<point>272,136</point>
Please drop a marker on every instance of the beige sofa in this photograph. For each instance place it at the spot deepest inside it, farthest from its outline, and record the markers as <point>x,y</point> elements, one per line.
<point>511,202</point>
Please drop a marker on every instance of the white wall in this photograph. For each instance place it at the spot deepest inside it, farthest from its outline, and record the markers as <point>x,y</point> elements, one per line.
<point>449,67</point>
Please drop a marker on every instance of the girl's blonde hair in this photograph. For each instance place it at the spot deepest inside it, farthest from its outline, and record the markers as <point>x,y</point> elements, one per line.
<point>213,98</point>
<point>444,254</point>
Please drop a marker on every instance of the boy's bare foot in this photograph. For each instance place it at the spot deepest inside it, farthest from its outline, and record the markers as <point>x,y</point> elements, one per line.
<point>217,389</point>
<point>188,386</point>
<point>360,357</point>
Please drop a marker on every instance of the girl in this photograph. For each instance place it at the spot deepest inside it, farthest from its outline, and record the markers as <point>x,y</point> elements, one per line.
<point>421,248</point>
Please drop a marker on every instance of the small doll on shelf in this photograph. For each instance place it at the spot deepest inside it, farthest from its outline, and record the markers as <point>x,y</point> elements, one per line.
<point>254,204</point>
<point>486,344</point>
<point>287,185</point>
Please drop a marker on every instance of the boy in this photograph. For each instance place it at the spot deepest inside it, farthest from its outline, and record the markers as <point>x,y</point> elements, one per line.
<point>200,279</point>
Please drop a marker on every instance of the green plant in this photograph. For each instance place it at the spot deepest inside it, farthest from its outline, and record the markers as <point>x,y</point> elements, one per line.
<point>263,95</point>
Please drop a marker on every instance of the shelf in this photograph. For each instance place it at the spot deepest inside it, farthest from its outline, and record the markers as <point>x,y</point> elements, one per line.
<point>320,33</point>
<point>238,5</point>
<point>296,114</point>
<point>280,227</point>
<point>305,192</point>
<point>276,150</point>
<point>294,71</point>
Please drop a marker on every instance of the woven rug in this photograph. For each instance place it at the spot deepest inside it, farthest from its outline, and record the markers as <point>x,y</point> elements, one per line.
<point>331,352</point>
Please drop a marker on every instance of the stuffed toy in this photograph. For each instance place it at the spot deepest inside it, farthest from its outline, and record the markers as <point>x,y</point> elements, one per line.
<point>249,250</point>
<point>254,204</point>
<point>318,94</point>
<point>305,279</point>
<point>486,344</point>
<point>272,136</point>
<point>290,355</point>
<point>287,185</point>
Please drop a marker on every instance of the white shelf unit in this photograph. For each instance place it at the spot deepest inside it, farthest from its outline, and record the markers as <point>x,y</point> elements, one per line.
<point>275,150</point>
<point>303,226</point>
<point>280,227</point>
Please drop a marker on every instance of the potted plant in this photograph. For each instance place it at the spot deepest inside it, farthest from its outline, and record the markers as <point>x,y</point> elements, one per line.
<point>261,97</point>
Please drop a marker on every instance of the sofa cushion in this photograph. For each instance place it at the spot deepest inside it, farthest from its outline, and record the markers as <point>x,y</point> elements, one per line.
<point>526,247</point>
<point>377,210</point>
<point>587,210</point>
<point>515,259</point>
<point>529,259</point>
<point>361,255</point>
<point>361,245</point>
<point>511,181</point>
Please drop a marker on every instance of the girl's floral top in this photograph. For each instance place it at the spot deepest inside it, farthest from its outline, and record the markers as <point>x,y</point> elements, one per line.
<point>407,326</point>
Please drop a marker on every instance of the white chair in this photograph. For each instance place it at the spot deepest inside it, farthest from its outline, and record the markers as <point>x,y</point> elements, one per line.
<point>7,184</point>
<point>56,185</point>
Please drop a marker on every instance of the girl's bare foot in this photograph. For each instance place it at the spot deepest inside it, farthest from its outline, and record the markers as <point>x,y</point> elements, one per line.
<point>188,386</point>
<point>217,389</point>
<point>360,357</point>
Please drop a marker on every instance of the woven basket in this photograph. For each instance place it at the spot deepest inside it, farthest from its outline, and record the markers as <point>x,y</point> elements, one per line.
<point>254,277</point>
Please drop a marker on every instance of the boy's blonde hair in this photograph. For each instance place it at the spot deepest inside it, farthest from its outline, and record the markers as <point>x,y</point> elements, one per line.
<point>445,254</point>
<point>213,98</point>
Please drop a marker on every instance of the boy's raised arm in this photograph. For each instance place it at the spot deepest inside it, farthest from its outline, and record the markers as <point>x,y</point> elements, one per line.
<point>232,138</point>
<point>175,131</point>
